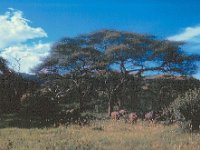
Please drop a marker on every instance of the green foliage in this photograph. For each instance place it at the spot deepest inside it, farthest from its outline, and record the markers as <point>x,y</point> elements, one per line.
<point>12,87</point>
<point>40,106</point>
<point>187,108</point>
<point>129,52</point>
<point>188,104</point>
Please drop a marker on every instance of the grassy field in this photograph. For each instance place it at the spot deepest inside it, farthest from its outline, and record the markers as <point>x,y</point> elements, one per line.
<point>101,135</point>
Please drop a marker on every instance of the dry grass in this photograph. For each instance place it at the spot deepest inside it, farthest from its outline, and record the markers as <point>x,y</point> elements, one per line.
<point>101,135</point>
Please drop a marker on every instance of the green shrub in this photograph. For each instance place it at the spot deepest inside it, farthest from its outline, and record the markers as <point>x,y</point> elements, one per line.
<point>187,108</point>
<point>40,106</point>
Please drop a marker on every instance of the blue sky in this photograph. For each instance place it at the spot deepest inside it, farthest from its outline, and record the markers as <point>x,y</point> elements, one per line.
<point>50,20</point>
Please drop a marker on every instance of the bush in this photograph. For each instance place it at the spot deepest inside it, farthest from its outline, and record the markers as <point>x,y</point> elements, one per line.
<point>187,108</point>
<point>40,106</point>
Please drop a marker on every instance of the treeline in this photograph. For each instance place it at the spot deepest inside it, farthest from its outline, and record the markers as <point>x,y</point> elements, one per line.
<point>102,72</point>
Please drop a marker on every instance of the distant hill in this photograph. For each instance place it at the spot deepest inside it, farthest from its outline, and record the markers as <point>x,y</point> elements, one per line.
<point>168,76</point>
<point>30,77</point>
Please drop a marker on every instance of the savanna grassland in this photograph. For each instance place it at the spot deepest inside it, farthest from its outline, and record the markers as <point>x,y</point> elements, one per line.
<point>100,135</point>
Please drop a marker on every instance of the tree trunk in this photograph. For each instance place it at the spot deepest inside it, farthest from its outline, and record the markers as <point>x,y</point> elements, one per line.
<point>195,125</point>
<point>119,103</point>
<point>81,103</point>
<point>110,106</point>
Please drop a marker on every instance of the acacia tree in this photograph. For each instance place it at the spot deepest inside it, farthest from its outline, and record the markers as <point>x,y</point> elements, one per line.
<point>4,68</point>
<point>12,87</point>
<point>78,63</point>
<point>7,89</point>
<point>139,54</point>
<point>187,108</point>
<point>125,52</point>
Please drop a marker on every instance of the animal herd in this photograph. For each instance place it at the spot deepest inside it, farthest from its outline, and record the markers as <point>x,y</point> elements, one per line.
<point>131,117</point>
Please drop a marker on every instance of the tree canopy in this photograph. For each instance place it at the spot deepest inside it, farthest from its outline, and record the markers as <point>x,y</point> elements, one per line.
<point>123,51</point>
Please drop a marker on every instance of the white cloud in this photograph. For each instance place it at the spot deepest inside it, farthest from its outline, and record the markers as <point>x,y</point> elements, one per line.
<point>14,28</point>
<point>28,55</point>
<point>15,33</point>
<point>188,34</point>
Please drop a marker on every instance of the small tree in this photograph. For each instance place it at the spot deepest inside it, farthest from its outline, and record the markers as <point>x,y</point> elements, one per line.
<point>41,106</point>
<point>12,87</point>
<point>187,108</point>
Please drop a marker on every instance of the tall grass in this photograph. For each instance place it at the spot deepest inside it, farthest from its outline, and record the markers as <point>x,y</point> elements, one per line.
<point>100,135</point>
